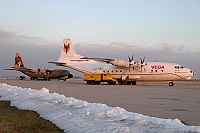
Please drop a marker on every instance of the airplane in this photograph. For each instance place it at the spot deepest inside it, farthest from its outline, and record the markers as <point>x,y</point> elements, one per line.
<point>126,72</point>
<point>39,74</point>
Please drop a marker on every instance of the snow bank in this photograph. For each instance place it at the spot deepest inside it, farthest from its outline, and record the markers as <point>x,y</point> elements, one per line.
<point>73,115</point>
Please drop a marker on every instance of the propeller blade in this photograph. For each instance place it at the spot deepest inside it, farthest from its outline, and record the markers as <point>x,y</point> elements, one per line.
<point>143,59</point>
<point>142,63</point>
<point>132,57</point>
<point>130,60</point>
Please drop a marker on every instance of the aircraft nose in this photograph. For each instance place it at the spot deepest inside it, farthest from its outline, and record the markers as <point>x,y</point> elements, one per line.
<point>194,73</point>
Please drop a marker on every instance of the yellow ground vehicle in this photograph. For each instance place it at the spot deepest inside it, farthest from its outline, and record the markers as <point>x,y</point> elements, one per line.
<point>98,78</point>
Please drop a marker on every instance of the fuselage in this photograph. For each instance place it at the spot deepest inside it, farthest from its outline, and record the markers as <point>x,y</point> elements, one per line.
<point>51,74</point>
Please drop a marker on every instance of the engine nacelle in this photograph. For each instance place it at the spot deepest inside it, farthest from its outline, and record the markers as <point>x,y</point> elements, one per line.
<point>120,63</point>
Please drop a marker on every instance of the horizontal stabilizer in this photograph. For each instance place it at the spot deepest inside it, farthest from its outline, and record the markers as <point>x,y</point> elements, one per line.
<point>9,69</point>
<point>58,63</point>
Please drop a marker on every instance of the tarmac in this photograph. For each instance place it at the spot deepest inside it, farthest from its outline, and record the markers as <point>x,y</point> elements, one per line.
<point>182,101</point>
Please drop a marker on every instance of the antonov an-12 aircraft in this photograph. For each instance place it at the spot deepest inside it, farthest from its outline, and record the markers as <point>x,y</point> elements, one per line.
<point>124,71</point>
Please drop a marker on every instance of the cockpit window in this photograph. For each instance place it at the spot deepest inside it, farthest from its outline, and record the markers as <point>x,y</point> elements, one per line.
<point>178,67</point>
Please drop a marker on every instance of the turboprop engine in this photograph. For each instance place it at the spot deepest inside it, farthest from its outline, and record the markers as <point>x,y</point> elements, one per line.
<point>124,63</point>
<point>120,63</point>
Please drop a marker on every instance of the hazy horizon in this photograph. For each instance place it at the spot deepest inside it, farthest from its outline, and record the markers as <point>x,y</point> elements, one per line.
<point>36,54</point>
<point>159,30</point>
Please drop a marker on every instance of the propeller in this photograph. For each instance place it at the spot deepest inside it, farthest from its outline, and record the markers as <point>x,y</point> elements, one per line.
<point>130,59</point>
<point>142,63</point>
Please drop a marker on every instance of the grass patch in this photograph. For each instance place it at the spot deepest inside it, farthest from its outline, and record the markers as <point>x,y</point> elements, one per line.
<point>15,120</point>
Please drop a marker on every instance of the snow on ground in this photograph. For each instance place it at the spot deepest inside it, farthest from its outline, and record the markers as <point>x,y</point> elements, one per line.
<point>73,115</point>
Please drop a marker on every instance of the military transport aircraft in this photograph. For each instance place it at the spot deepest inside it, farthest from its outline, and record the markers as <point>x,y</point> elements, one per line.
<point>124,71</point>
<point>39,74</point>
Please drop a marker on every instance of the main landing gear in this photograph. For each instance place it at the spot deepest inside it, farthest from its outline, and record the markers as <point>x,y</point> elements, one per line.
<point>121,82</point>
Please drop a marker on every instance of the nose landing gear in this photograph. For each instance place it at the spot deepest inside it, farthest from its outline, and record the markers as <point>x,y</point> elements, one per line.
<point>171,84</point>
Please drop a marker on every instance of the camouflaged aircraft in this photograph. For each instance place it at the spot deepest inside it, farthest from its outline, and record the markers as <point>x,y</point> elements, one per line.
<point>39,74</point>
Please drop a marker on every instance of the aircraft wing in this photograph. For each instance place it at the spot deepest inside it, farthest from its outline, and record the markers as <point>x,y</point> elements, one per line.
<point>16,68</point>
<point>107,60</point>
<point>116,62</point>
<point>72,67</point>
<point>9,69</point>
<point>58,63</point>
<point>32,70</point>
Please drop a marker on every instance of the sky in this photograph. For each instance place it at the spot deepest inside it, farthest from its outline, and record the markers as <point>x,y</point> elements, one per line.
<point>74,115</point>
<point>153,26</point>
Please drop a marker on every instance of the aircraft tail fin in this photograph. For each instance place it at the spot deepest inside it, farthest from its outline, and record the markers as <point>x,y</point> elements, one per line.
<point>67,51</point>
<point>18,63</point>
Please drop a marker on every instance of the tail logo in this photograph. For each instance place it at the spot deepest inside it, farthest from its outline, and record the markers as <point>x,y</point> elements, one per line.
<point>18,61</point>
<point>19,64</point>
<point>66,47</point>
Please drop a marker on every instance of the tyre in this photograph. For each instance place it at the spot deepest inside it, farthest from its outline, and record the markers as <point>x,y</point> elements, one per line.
<point>120,82</point>
<point>171,84</point>
<point>127,82</point>
<point>133,83</point>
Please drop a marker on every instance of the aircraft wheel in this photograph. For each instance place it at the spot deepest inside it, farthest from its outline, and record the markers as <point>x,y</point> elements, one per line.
<point>171,84</point>
<point>133,83</point>
<point>127,82</point>
<point>114,83</point>
<point>47,78</point>
<point>120,82</point>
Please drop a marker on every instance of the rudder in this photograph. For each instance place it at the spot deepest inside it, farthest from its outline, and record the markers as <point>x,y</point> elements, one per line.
<point>18,61</point>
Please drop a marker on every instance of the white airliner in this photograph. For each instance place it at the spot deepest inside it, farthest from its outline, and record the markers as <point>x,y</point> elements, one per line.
<point>125,72</point>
